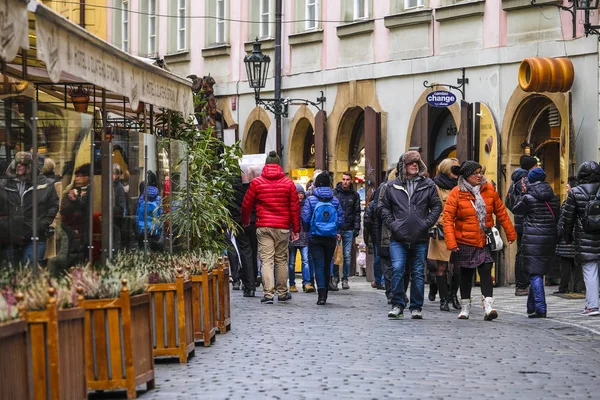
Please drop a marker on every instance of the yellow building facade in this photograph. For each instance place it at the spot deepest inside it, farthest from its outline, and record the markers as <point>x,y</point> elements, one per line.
<point>94,14</point>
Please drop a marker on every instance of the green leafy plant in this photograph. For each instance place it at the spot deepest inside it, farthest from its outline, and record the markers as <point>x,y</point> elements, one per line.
<point>200,209</point>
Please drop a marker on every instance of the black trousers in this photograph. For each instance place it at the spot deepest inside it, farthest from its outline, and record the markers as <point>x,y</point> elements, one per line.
<point>386,270</point>
<point>485,280</point>
<point>248,247</point>
<point>568,268</point>
<point>521,274</point>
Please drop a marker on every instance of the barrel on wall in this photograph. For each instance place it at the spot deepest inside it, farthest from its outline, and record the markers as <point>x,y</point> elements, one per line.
<point>543,74</point>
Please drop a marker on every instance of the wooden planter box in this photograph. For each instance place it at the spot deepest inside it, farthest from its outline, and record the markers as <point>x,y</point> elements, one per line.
<point>57,352</point>
<point>204,306</point>
<point>172,319</point>
<point>118,343</point>
<point>223,301</point>
<point>14,374</point>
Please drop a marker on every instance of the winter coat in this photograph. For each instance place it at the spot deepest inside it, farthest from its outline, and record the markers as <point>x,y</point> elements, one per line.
<point>369,223</point>
<point>75,221</point>
<point>539,208</point>
<point>150,217</point>
<point>587,245</point>
<point>384,232</point>
<point>437,247</point>
<point>320,194</point>
<point>460,220</point>
<point>409,219</point>
<point>16,210</point>
<point>275,198</point>
<point>562,248</point>
<point>514,194</point>
<point>303,235</point>
<point>350,202</point>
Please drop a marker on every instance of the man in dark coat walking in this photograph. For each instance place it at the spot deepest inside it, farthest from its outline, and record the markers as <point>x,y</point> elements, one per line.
<point>587,244</point>
<point>539,208</point>
<point>350,201</point>
<point>410,206</point>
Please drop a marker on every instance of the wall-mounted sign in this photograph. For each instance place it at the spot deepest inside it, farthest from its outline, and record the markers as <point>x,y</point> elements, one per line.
<point>488,143</point>
<point>441,98</point>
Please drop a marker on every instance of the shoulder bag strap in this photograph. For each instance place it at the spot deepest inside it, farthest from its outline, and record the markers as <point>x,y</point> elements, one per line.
<point>551,212</point>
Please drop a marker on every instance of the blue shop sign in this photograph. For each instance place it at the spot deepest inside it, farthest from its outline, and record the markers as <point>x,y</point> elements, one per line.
<point>441,98</point>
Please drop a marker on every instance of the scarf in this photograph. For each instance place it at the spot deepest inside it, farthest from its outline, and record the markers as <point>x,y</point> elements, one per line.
<point>480,208</point>
<point>445,182</point>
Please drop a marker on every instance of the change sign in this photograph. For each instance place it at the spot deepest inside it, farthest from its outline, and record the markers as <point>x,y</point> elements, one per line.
<point>441,98</point>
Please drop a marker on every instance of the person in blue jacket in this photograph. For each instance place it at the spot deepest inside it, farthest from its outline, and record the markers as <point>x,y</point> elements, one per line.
<point>322,218</point>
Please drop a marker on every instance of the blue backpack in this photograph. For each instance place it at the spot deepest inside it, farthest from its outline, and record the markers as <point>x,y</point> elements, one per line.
<point>324,220</point>
<point>153,212</point>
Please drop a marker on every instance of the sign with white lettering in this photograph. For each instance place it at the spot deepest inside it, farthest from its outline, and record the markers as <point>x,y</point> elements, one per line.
<point>14,28</point>
<point>441,98</point>
<point>90,62</point>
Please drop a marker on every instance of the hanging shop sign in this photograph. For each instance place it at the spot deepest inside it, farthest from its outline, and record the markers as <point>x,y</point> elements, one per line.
<point>14,28</point>
<point>65,47</point>
<point>441,98</point>
<point>488,143</point>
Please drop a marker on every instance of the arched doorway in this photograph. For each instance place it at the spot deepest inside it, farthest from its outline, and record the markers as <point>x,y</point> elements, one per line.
<point>539,124</point>
<point>256,138</point>
<point>301,148</point>
<point>351,143</point>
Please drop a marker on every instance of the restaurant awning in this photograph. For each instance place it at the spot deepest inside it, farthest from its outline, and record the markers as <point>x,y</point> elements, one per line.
<point>67,48</point>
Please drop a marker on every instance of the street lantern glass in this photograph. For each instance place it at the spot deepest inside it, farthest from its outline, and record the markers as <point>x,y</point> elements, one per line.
<point>257,67</point>
<point>587,4</point>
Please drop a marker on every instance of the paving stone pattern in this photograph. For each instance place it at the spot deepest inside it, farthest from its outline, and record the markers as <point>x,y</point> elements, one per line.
<point>350,350</point>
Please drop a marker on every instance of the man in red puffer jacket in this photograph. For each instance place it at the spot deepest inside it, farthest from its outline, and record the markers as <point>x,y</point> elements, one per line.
<point>277,208</point>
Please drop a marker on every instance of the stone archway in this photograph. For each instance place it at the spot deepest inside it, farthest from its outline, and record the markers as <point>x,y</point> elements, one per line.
<point>255,131</point>
<point>302,122</point>
<point>351,99</point>
<point>523,112</point>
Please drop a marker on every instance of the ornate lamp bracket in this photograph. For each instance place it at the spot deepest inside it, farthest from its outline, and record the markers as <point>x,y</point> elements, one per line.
<point>460,84</point>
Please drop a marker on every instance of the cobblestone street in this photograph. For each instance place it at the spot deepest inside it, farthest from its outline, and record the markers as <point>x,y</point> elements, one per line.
<point>349,349</point>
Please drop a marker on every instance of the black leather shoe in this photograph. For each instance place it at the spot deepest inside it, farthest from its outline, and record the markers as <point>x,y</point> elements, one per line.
<point>455,301</point>
<point>248,293</point>
<point>236,285</point>
<point>284,298</point>
<point>266,300</point>
<point>444,305</point>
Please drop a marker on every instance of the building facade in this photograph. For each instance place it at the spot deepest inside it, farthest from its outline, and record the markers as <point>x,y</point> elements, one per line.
<point>377,62</point>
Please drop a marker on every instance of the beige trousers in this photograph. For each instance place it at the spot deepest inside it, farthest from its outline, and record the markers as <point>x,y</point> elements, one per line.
<point>273,252</point>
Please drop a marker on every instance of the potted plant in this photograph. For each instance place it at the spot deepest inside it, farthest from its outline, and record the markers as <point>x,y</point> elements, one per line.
<point>118,330</point>
<point>14,373</point>
<point>80,97</point>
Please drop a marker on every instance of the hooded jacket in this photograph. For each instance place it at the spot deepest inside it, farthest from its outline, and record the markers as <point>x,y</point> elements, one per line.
<point>410,207</point>
<point>350,202</point>
<point>275,198</point>
<point>150,224</point>
<point>16,208</point>
<point>514,194</point>
<point>324,194</point>
<point>461,225</point>
<point>587,245</point>
<point>539,208</point>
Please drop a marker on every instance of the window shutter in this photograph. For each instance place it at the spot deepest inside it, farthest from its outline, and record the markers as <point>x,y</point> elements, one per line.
<point>254,29</point>
<point>172,27</point>
<point>299,15</point>
<point>117,24</point>
<point>347,10</point>
<point>143,22</point>
<point>211,23</point>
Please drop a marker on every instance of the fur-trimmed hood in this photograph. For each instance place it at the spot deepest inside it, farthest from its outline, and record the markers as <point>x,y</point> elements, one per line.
<point>408,157</point>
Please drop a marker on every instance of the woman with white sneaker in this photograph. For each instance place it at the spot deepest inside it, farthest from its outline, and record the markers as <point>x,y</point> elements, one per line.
<point>467,214</point>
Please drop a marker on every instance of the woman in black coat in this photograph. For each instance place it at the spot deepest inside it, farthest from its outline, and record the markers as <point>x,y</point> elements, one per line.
<point>539,209</point>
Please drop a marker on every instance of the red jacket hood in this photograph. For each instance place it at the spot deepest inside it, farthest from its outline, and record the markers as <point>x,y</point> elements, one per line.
<point>272,172</point>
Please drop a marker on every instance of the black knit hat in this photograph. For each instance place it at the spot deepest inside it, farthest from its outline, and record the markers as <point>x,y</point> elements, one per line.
<point>466,169</point>
<point>273,158</point>
<point>323,180</point>
<point>527,162</point>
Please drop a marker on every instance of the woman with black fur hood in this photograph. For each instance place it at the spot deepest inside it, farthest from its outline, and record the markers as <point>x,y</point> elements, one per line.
<point>539,208</point>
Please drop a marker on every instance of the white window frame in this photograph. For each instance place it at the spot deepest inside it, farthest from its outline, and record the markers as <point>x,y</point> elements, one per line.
<point>181,25</point>
<point>412,4</point>
<point>125,25</point>
<point>311,24</point>
<point>220,24</point>
<point>151,27</point>
<point>265,19</point>
<point>358,5</point>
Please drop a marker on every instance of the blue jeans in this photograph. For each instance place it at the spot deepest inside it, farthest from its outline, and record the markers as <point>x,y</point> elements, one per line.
<point>24,254</point>
<point>306,272</point>
<point>377,275</point>
<point>347,237</point>
<point>413,255</point>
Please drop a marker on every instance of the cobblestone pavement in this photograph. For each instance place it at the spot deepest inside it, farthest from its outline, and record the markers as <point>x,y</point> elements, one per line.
<point>350,350</point>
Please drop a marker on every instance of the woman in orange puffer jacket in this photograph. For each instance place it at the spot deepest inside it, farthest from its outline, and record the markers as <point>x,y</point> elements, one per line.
<point>468,212</point>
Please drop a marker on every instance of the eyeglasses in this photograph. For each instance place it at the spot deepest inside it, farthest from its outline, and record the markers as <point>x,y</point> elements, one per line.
<point>477,173</point>
<point>412,163</point>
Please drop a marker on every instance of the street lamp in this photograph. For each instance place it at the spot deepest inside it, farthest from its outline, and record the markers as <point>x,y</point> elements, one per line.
<point>588,6</point>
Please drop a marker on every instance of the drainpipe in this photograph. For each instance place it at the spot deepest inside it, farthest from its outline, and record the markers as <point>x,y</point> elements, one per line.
<point>82,13</point>
<point>278,10</point>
